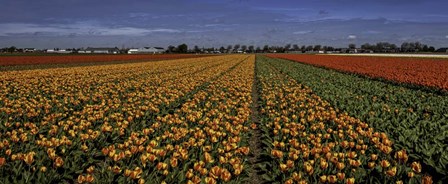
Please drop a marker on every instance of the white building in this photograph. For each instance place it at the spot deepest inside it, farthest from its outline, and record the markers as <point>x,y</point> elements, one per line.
<point>29,50</point>
<point>59,51</point>
<point>147,50</point>
<point>91,50</point>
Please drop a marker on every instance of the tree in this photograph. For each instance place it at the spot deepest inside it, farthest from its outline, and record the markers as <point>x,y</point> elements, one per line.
<point>266,48</point>
<point>222,49</point>
<point>303,48</point>
<point>182,48</point>
<point>317,47</point>
<point>431,49</point>
<point>244,48</point>
<point>352,46</point>
<point>251,49</point>
<point>196,49</point>
<point>279,49</point>
<point>366,46</point>
<point>171,49</point>
<point>12,49</point>
<point>309,48</point>
<point>258,50</point>
<point>393,47</point>
<point>425,48</point>
<point>229,48</point>
<point>295,47</point>
<point>418,46</point>
<point>381,46</point>
<point>406,47</point>
<point>236,47</point>
<point>287,47</point>
<point>412,46</point>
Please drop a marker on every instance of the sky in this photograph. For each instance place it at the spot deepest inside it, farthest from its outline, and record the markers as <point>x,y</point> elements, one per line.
<point>213,23</point>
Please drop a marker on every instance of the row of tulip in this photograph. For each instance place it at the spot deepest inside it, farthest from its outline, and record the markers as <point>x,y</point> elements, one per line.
<point>204,140</point>
<point>427,72</point>
<point>310,141</point>
<point>58,124</point>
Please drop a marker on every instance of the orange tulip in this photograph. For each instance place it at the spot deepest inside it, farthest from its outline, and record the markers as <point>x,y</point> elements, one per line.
<point>392,172</point>
<point>323,178</point>
<point>350,181</point>
<point>141,181</point>
<point>323,164</point>
<point>225,175</point>
<point>416,167</point>
<point>115,169</point>
<point>58,162</point>
<point>89,178</point>
<point>90,169</point>
<point>29,158</point>
<point>162,166</point>
<point>2,161</point>
<point>277,153</point>
<point>290,164</point>
<point>411,174</point>
<point>189,174</point>
<point>426,179</point>
<point>208,158</point>
<point>173,162</point>
<point>340,165</point>
<point>374,157</point>
<point>308,168</point>
<point>341,176</point>
<point>81,179</point>
<point>283,167</point>
<point>385,164</point>
<point>332,179</point>
<point>210,180</point>
<point>215,172</point>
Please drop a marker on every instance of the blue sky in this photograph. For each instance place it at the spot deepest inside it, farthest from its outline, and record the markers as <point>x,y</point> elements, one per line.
<point>135,23</point>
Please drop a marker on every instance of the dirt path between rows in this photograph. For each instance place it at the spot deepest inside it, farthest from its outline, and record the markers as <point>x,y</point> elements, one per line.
<point>256,147</point>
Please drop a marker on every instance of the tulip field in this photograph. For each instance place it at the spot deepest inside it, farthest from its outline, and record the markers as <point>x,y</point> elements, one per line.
<point>419,71</point>
<point>62,59</point>
<point>218,119</point>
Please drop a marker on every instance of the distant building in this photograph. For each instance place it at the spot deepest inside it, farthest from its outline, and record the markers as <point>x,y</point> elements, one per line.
<point>92,50</point>
<point>58,51</point>
<point>315,52</point>
<point>365,51</point>
<point>442,50</point>
<point>147,50</point>
<point>29,50</point>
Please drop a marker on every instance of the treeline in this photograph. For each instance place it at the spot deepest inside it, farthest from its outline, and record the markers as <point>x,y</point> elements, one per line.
<point>380,47</point>
<point>11,49</point>
<point>405,47</point>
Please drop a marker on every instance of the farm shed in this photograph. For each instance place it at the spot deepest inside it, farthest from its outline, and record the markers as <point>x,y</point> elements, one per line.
<point>147,50</point>
<point>91,50</point>
<point>442,50</point>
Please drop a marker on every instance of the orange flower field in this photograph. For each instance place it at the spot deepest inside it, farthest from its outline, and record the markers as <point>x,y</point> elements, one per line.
<point>66,59</point>
<point>116,122</point>
<point>191,120</point>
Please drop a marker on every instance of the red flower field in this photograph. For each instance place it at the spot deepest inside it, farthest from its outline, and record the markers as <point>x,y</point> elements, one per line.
<point>420,71</point>
<point>65,59</point>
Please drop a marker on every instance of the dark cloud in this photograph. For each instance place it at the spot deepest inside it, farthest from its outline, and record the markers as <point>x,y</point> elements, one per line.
<point>323,12</point>
<point>215,23</point>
